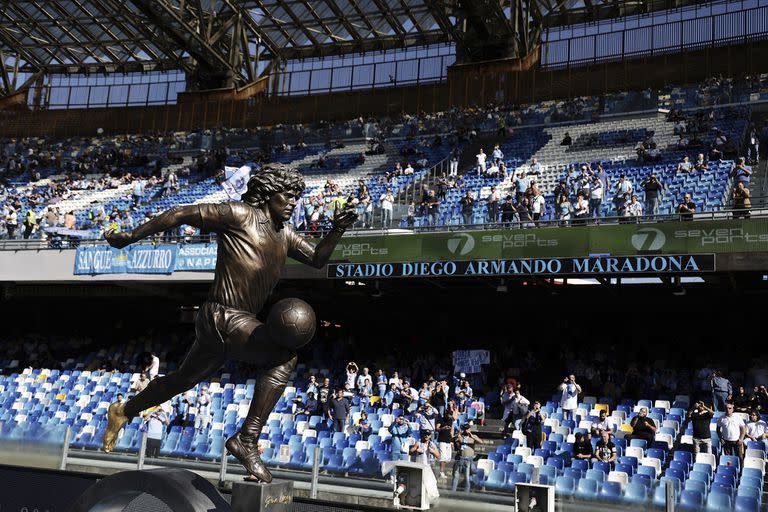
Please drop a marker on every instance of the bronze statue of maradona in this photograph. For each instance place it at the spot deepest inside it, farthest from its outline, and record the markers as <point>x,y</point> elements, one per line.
<point>253,243</point>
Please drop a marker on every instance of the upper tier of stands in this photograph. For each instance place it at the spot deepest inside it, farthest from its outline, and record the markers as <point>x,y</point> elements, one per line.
<point>609,141</point>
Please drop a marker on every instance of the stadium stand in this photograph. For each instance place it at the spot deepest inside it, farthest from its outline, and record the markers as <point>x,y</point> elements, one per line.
<point>38,404</point>
<point>95,179</point>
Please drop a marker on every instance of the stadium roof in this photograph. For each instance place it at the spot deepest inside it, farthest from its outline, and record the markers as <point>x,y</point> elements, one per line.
<point>234,36</point>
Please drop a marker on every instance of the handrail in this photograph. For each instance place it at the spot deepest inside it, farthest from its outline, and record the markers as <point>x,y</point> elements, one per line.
<point>723,214</point>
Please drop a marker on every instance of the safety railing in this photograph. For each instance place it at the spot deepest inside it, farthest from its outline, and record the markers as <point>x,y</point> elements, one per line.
<point>516,223</point>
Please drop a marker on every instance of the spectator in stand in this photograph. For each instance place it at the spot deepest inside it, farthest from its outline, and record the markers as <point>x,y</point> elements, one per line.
<point>424,450</point>
<point>120,398</point>
<point>425,393</point>
<point>308,407</point>
<point>731,430</point>
<point>701,163</point>
<point>467,207</point>
<point>699,417</point>
<point>152,367</point>
<point>386,201</point>
<point>753,144</point>
<point>363,426</point>
<point>518,411</point>
<point>453,167</point>
<point>741,173</point>
<point>426,417</point>
<point>567,140</point>
<point>364,382</point>
<point>685,165</point>
<point>410,218</point>
<point>312,385</point>
<point>560,191</point>
<point>564,209</point>
<point>537,204</point>
<point>605,451</point>
<point>433,208</point>
<point>582,448</point>
<point>742,201</point>
<point>324,395</point>
<point>686,208</point>
<point>601,425</point>
<point>653,189</point>
<point>581,209</point>
<point>481,157</point>
<point>596,196</point>
<point>643,427</point>
<point>536,169</point>
<point>351,371</point>
<point>445,433</point>
<point>203,406</point>
<point>531,426</point>
<point>569,399</point>
<point>493,200</point>
<point>407,395</point>
<point>741,400</point>
<point>634,209</point>
<point>338,411</point>
<point>756,429</point>
<point>497,155</point>
<point>721,390</point>
<point>524,214</point>
<point>400,431</point>
<point>462,402</point>
<point>508,212</point>
<point>156,421</point>
<point>759,398</point>
<point>391,396</point>
<point>624,186</point>
<point>138,187</point>
<point>140,384</point>
<point>439,398</point>
<point>521,183</point>
<point>464,386</point>
<point>464,445</point>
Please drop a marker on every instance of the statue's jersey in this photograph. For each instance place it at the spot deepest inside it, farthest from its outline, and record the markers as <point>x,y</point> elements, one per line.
<point>251,254</point>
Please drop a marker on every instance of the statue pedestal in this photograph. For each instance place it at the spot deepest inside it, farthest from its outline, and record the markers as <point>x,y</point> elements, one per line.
<point>276,496</point>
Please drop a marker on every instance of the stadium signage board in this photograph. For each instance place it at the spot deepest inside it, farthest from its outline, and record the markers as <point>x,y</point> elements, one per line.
<point>582,267</point>
<point>563,244</point>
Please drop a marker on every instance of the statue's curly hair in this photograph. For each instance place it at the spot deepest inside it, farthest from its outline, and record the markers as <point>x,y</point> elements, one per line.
<point>272,179</point>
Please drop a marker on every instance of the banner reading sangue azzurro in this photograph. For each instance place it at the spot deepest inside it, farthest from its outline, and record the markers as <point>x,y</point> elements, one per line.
<point>138,259</point>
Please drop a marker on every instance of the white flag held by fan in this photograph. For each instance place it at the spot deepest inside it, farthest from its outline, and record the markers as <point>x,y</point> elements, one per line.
<point>236,181</point>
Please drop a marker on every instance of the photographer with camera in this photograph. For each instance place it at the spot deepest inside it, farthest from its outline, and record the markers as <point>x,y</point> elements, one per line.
<point>399,431</point>
<point>531,426</point>
<point>464,446</point>
<point>653,189</point>
<point>515,407</point>
<point>569,400</point>
<point>699,417</point>
<point>445,434</point>
<point>422,449</point>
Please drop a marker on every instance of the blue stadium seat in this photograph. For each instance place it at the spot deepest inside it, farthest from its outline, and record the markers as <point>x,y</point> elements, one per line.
<point>496,480</point>
<point>596,475</point>
<point>565,486</point>
<point>691,500</point>
<point>587,489</point>
<point>610,491</point>
<point>746,504</point>
<point>636,493</point>
<point>717,502</point>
